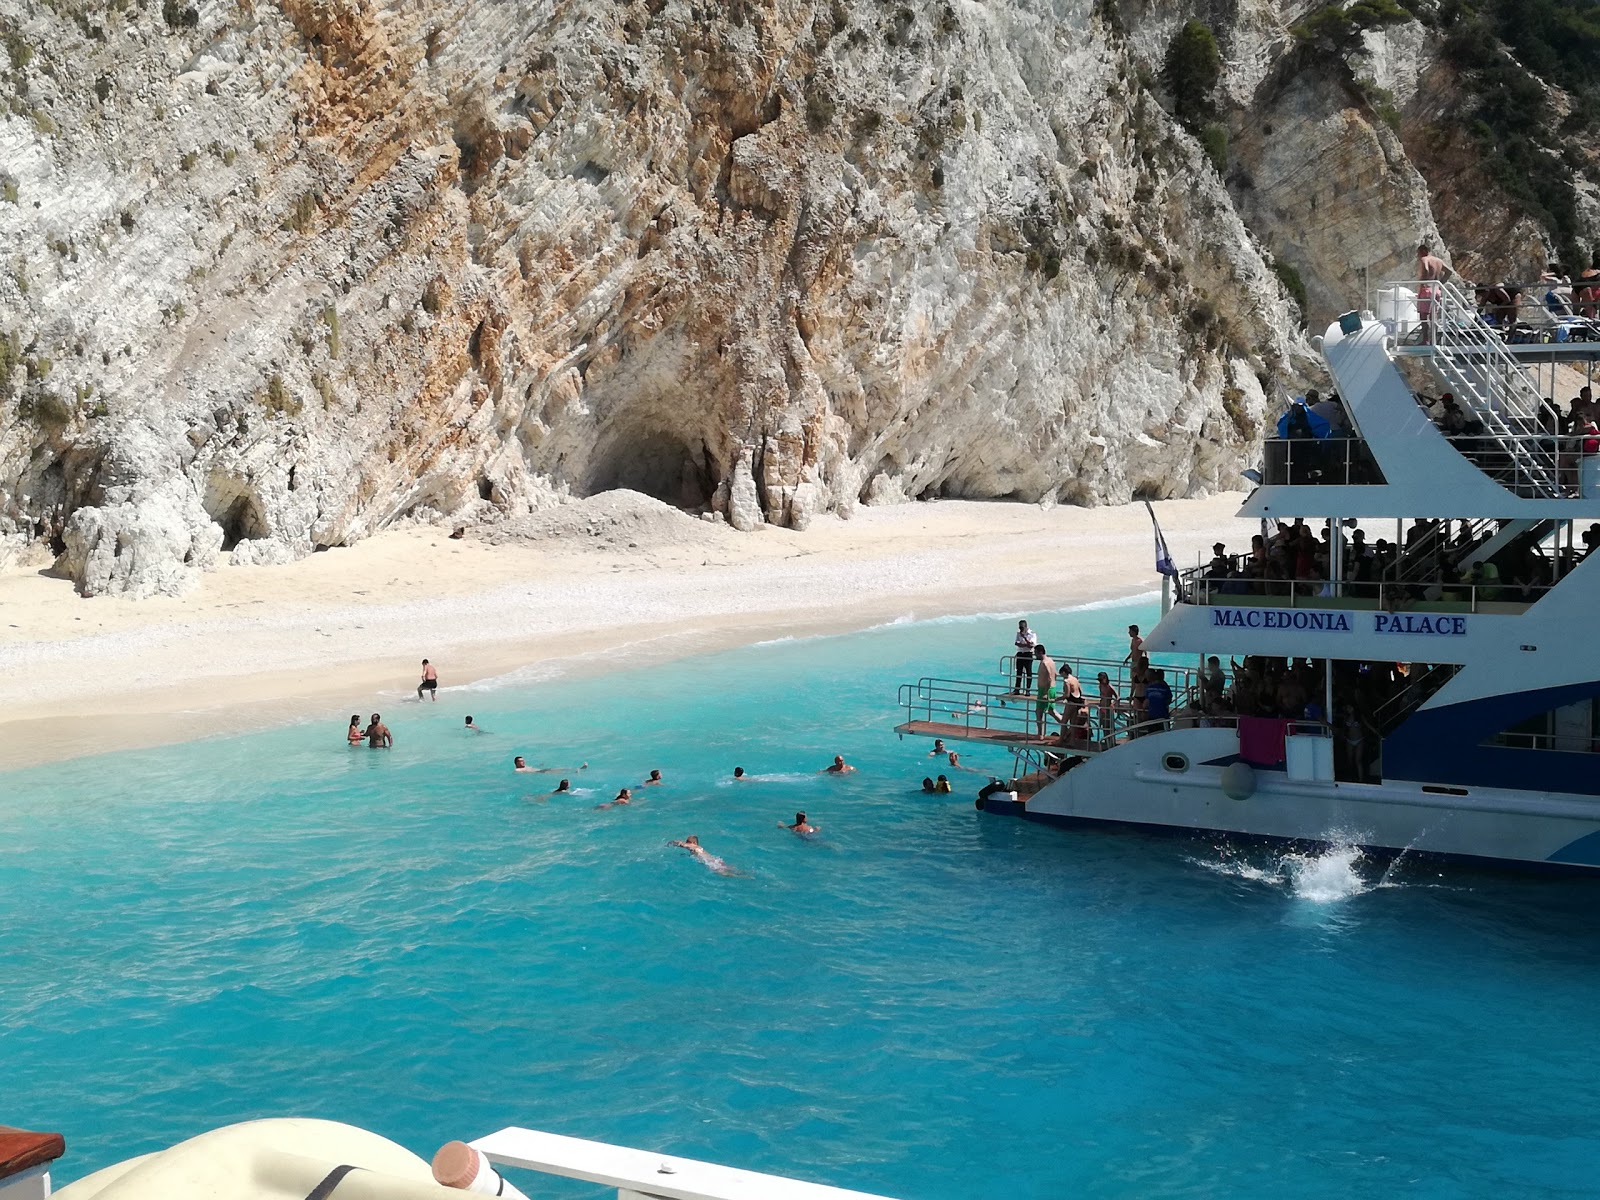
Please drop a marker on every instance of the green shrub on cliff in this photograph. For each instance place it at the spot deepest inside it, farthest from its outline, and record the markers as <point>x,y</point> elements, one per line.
<point>1192,68</point>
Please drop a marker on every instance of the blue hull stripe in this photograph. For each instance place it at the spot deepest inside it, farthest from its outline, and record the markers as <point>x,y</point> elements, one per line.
<point>1446,745</point>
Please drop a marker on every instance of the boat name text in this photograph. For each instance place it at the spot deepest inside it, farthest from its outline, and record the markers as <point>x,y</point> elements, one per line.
<point>1278,618</point>
<point>1431,624</point>
<point>1439,626</point>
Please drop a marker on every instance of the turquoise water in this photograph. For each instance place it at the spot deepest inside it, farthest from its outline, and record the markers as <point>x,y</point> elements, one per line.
<point>922,1001</point>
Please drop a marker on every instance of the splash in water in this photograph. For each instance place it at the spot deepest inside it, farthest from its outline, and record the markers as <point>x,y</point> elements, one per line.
<point>1325,876</point>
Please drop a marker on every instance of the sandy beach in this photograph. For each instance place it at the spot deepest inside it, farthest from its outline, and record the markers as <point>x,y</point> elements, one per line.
<point>602,584</point>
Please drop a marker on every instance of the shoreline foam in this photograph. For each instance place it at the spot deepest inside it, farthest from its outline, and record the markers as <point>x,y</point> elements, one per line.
<point>323,636</point>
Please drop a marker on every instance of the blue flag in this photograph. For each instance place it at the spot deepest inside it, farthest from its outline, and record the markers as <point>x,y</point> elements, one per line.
<point>1164,564</point>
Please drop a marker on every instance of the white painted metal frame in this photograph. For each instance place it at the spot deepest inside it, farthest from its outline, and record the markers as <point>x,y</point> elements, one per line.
<point>643,1175</point>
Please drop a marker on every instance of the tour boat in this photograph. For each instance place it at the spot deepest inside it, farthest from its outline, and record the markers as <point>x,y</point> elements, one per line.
<point>1455,709</point>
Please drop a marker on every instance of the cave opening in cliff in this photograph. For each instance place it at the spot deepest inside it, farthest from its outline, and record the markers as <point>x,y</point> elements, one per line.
<point>236,508</point>
<point>656,462</point>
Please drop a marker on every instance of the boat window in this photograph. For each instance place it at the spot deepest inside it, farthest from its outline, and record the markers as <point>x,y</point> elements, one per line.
<point>1175,763</point>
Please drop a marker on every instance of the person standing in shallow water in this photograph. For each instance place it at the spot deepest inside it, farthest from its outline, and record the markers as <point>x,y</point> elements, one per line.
<point>355,735</point>
<point>430,680</point>
<point>378,735</point>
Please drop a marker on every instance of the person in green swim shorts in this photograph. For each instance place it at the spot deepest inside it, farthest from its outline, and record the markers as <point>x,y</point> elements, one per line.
<point>1044,670</point>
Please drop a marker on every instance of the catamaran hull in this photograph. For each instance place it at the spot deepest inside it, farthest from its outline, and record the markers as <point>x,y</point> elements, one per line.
<point>1174,783</point>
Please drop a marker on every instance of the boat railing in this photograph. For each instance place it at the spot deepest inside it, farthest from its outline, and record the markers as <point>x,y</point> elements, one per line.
<point>1324,462</point>
<point>1438,594</point>
<point>1472,359</point>
<point>1535,322</point>
<point>1186,717</point>
<point>643,1174</point>
<point>1419,688</point>
<point>1570,743</point>
<point>1419,559</point>
<point>967,708</point>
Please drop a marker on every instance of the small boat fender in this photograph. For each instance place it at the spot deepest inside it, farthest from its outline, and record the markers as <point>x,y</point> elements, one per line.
<point>458,1165</point>
<point>1238,781</point>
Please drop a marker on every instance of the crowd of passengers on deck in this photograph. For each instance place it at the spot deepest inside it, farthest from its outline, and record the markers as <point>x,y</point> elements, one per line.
<point>1270,688</point>
<point>1556,308</point>
<point>1295,560</point>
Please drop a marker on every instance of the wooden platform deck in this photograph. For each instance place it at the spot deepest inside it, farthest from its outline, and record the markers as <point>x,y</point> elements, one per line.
<point>952,732</point>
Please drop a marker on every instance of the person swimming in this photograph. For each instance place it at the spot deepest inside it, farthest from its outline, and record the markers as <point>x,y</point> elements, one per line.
<point>927,783</point>
<point>942,786</point>
<point>702,855</point>
<point>655,778</point>
<point>355,735</point>
<point>625,796</point>
<point>938,748</point>
<point>801,825</point>
<point>475,728</point>
<point>521,764</point>
<point>839,767</point>
<point>738,773</point>
<point>564,786</point>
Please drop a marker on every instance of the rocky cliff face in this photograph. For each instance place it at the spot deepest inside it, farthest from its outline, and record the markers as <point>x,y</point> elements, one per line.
<point>279,274</point>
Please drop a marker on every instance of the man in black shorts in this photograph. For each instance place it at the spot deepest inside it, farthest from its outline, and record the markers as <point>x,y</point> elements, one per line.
<point>430,681</point>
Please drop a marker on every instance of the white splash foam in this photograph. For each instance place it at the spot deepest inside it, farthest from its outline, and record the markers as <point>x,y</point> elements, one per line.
<point>1324,877</point>
<point>1328,877</point>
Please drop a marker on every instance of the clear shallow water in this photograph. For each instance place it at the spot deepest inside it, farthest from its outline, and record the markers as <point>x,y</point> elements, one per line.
<point>922,1001</point>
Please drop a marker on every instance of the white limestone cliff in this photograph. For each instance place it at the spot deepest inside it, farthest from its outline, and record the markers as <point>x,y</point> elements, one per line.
<point>280,274</point>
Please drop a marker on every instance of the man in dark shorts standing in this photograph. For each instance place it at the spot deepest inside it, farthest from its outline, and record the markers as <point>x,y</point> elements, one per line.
<point>430,680</point>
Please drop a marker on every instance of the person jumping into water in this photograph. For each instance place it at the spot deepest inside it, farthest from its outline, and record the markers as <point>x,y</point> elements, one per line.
<point>430,680</point>
<point>839,767</point>
<point>801,825</point>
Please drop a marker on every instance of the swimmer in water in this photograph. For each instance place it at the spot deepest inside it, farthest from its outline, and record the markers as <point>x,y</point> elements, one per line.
<point>839,767</point>
<point>625,796</point>
<point>800,826</point>
<point>943,786</point>
<point>355,735</point>
<point>738,772</point>
<point>702,855</point>
<point>938,748</point>
<point>927,783</point>
<point>378,735</point>
<point>655,778</point>
<point>521,764</point>
<point>475,728</point>
<point>564,786</point>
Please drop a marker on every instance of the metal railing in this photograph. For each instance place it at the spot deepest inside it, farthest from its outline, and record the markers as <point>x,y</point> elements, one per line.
<point>643,1174</point>
<point>1471,359</point>
<point>1568,743</point>
<point>1386,718</point>
<point>1523,321</point>
<point>1437,594</point>
<point>996,712</point>
<point>1324,461</point>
